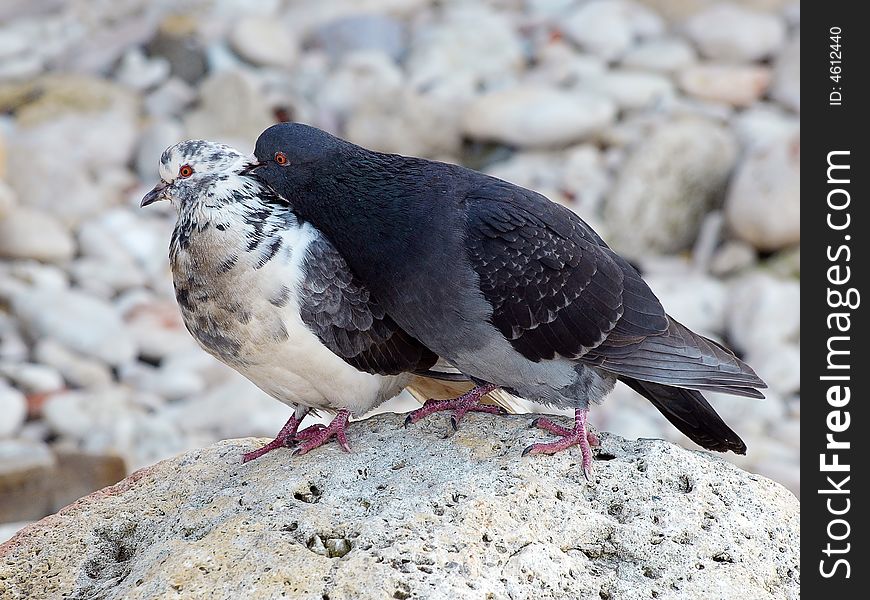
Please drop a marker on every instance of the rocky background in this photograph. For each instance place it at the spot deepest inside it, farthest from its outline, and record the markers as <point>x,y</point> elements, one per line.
<point>671,126</point>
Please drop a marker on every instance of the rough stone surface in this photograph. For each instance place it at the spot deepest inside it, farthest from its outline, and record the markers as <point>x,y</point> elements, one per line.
<point>410,514</point>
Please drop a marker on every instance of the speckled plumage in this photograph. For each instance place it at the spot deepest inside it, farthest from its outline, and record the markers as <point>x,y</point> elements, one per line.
<point>267,295</point>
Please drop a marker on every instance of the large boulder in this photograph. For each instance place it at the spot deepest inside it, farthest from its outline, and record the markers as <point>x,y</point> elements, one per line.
<point>415,514</point>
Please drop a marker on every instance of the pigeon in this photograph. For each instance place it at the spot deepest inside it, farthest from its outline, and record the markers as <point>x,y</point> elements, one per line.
<point>515,291</point>
<point>267,294</point>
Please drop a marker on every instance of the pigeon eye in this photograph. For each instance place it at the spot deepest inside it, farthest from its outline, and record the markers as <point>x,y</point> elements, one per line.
<point>281,158</point>
<point>185,171</point>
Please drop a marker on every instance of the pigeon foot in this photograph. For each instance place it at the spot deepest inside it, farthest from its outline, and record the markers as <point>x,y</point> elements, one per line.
<point>467,402</point>
<point>578,436</point>
<point>317,435</point>
<point>282,440</point>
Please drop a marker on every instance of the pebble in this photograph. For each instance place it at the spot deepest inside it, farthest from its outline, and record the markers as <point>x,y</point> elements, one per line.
<point>231,110</point>
<point>660,54</point>
<point>559,64</point>
<point>365,32</point>
<point>667,185</point>
<point>631,90</point>
<point>763,203</point>
<point>471,44</point>
<point>177,43</point>
<point>608,28</point>
<point>27,233</point>
<point>779,367</point>
<point>32,378</point>
<point>77,370</point>
<point>730,32</point>
<point>8,201</point>
<point>735,85</point>
<point>170,99</point>
<point>732,257</point>
<point>697,301</point>
<point>156,138</point>
<point>514,117</point>
<point>786,87</point>
<point>141,73</point>
<point>764,312</point>
<point>82,323</point>
<point>13,409</point>
<point>264,41</point>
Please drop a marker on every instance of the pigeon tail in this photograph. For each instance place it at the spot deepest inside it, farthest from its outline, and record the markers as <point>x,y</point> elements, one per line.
<point>690,412</point>
<point>682,358</point>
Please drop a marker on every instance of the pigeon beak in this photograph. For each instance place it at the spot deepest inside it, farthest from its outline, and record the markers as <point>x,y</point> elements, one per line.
<point>157,193</point>
<point>251,167</point>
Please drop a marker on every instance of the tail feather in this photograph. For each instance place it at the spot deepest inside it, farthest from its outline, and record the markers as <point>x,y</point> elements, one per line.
<point>690,412</point>
<point>681,358</point>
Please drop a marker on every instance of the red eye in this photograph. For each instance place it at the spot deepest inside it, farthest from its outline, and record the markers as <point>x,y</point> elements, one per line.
<point>185,171</point>
<point>281,158</point>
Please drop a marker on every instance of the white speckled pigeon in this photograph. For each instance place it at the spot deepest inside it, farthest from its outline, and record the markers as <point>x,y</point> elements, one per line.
<point>268,295</point>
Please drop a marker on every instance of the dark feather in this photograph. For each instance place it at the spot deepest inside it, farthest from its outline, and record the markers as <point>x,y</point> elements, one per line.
<point>349,321</point>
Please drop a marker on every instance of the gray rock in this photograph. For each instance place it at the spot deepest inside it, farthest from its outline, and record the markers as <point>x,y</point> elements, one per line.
<point>763,312</point>
<point>156,138</point>
<point>177,43</point>
<point>733,33</point>
<point>13,409</point>
<point>763,203</point>
<point>361,32</point>
<point>786,87</point>
<point>660,54</point>
<point>609,28</point>
<point>78,370</point>
<point>471,44</point>
<point>139,72</point>
<point>736,85</point>
<point>27,233</point>
<point>32,378</point>
<point>231,110</point>
<point>82,323</point>
<point>667,185</point>
<point>8,201</point>
<point>697,301</point>
<point>411,514</point>
<point>170,99</point>
<point>631,90</point>
<point>264,41</point>
<point>535,116</point>
<point>732,257</point>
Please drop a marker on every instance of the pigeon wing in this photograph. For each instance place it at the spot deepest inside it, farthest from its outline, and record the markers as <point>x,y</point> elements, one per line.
<point>342,313</point>
<point>558,290</point>
<point>555,288</point>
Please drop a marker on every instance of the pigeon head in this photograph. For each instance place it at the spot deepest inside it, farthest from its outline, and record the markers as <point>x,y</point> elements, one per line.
<point>289,155</point>
<point>188,167</point>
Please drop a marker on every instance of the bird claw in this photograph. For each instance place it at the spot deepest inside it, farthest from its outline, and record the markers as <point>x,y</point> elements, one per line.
<point>467,402</point>
<point>578,436</point>
<point>317,435</point>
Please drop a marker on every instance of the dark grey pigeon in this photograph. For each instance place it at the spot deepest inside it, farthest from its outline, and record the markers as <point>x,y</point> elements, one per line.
<point>512,289</point>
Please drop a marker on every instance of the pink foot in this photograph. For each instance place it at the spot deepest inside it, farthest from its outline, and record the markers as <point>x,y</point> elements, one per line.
<point>467,402</point>
<point>282,440</point>
<point>317,435</point>
<point>578,436</point>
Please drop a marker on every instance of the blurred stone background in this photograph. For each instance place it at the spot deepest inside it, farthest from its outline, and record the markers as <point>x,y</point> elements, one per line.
<point>671,126</point>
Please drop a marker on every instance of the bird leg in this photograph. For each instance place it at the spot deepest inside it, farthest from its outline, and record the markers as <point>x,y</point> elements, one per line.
<point>467,402</point>
<point>282,440</point>
<point>578,436</point>
<point>317,435</point>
